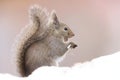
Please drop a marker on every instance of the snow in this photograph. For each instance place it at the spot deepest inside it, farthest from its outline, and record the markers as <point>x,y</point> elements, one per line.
<point>102,68</point>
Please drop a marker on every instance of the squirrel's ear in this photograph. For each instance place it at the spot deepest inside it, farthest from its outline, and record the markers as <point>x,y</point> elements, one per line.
<point>54,18</point>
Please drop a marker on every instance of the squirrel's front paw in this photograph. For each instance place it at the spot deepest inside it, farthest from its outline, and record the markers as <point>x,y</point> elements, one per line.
<point>72,45</point>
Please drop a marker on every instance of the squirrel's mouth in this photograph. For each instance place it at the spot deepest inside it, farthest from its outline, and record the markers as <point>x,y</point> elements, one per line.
<point>69,36</point>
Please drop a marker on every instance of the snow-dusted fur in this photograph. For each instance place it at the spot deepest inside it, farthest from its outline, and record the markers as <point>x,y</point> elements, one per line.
<point>103,68</point>
<point>29,30</point>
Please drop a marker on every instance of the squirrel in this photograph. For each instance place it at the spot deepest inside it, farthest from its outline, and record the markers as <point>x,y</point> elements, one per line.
<point>42,42</point>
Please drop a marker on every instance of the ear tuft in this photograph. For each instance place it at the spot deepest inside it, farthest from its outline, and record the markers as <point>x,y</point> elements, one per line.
<point>53,14</point>
<point>54,18</point>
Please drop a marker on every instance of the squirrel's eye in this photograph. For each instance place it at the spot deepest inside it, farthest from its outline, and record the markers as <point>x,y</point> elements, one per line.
<point>65,29</point>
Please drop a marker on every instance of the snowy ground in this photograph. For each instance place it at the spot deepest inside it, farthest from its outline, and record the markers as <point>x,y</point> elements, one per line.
<point>103,68</point>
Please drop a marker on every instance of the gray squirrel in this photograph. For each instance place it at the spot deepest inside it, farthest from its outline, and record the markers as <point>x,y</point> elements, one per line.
<point>42,42</point>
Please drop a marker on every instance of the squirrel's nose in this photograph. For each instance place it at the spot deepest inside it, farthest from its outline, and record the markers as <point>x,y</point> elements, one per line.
<point>72,34</point>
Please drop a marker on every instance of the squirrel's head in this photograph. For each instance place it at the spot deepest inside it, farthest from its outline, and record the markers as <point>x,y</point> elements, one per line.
<point>60,29</point>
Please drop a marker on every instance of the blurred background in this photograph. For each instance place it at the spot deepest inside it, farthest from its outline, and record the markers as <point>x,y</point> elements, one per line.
<point>96,24</point>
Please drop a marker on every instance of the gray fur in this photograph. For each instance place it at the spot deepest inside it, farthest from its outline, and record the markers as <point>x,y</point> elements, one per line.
<point>46,45</point>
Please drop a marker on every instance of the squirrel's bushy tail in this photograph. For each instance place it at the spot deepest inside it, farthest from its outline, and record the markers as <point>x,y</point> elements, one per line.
<point>38,20</point>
